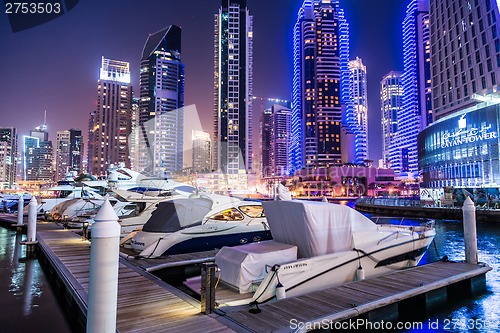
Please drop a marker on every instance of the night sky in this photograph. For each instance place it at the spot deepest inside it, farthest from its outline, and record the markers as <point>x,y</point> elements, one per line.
<point>55,66</point>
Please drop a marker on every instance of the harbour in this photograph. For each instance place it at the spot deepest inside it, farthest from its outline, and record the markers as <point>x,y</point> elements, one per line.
<point>320,303</point>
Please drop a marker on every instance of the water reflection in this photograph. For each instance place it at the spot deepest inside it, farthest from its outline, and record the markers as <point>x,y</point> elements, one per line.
<point>25,292</point>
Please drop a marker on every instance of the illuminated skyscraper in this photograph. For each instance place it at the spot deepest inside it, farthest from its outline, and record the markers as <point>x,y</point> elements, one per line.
<point>8,153</point>
<point>320,84</point>
<point>38,155</point>
<point>110,124</point>
<point>416,111</point>
<point>391,100</point>
<point>360,108</point>
<point>134,135</point>
<point>69,151</point>
<point>201,151</point>
<point>161,117</point>
<point>461,147</point>
<point>275,131</point>
<point>233,82</point>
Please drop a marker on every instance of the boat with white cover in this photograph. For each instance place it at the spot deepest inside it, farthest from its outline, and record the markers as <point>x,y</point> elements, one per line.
<point>200,223</point>
<point>317,245</point>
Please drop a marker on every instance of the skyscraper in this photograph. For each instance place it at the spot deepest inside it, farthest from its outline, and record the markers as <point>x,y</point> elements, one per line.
<point>391,100</point>
<point>359,95</point>
<point>161,117</point>
<point>110,123</point>
<point>276,130</point>
<point>38,155</point>
<point>461,147</point>
<point>8,152</point>
<point>201,152</point>
<point>416,112</point>
<point>233,82</point>
<point>320,84</point>
<point>133,141</point>
<point>69,148</point>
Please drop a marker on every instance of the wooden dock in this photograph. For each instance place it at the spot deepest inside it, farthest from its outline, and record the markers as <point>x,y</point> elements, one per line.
<point>375,299</point>
<point>147,304</point>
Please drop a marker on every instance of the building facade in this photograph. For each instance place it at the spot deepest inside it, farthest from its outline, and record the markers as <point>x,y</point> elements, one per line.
<point>416,111</point>
<point>465,46</point>
<point>359,91</point>
<point>460,150</point>
<point>69,151</point>
<point>110,123</point>
<point>133,141</point>
<point>391,101</point>
<point>202,161</point>
<point>38,155</point>
<point>275,130</point>
<point>321,84</point>
<point>8,156</point>
<point>233,83</point>
<point>161,115</point>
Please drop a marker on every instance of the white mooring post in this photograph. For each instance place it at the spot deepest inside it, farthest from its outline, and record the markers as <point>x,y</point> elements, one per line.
<point>103,283</point>
<point>470,236</point>
<point>31,234</point>
<point>20,211</point>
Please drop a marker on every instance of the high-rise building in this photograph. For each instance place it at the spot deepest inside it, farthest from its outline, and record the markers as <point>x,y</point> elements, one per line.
<point>391,101</point>
<point>321,86</point>
<point>38,155</point>
<point>161,117</point>
<point>201,152</point>
<point>275,131</point>
<point>359,95</point>
<point>69,148</point>
<point>110,123</point>
<point>233,81</point>
<point>133,141</point>
<point>461,147</point>
<point>8,153</point>
<point>416,112</point>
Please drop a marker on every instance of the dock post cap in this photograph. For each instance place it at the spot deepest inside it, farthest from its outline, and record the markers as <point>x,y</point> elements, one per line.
<point>106,222</point>
<point>33,200</point>
<point>468,204</point>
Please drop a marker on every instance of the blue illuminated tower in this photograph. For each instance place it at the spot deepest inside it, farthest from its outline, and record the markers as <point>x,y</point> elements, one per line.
<point>320,84</point>
<point>416,112</point>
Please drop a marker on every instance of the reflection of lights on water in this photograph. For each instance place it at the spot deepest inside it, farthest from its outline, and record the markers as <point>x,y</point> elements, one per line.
<point>343,202</point>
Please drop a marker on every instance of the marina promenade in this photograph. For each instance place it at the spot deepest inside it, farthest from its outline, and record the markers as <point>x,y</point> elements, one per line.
<point>147,304</point>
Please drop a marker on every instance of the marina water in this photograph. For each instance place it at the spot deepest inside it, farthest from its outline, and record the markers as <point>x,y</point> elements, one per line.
<point>29,303</point>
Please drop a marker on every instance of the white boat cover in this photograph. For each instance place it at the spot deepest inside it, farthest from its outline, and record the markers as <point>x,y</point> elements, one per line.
<point>241,265</point>
<point>316,228</point>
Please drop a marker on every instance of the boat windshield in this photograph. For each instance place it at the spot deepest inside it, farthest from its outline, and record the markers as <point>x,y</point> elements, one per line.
<point>231,214</point>
<point>253,211</point>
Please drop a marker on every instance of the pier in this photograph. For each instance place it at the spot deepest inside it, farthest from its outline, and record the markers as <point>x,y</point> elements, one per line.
<point>414,208</point>
<point>148,304</point>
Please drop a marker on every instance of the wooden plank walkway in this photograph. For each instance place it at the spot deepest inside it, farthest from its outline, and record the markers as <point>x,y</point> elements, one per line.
<point>352,299</point>
<point>145,303</point>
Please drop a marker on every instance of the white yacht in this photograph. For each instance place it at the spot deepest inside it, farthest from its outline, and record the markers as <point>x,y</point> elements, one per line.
<point>317,245</point>
<point>54,195</point>
<point>200,223</point>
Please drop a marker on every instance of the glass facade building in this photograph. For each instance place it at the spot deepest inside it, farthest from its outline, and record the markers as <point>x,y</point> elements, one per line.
<point>462,150</point>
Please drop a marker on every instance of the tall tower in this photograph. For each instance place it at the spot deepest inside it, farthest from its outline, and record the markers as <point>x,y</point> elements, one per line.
<point>69,148</point>
<point>233,81</point>
<point>359,93</point>
<point>110,124</point>
<point>391,100</point>
<point>201,152</point>
<point>416,112</point>
<point>8,153</point>
<point>161,117</point>
<point>133,141</point>
<point>38,155</point>
<point>320,83</point>
<point>276,129</point>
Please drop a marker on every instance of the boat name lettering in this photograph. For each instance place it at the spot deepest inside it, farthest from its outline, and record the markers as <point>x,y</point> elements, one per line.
<point>295,266</point>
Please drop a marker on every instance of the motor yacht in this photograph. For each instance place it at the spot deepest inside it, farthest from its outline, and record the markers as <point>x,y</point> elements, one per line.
<point>317,245</point>
<point>199,223</point>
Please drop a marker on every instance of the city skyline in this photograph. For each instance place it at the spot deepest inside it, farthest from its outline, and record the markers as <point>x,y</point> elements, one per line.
<point>67,91</point>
